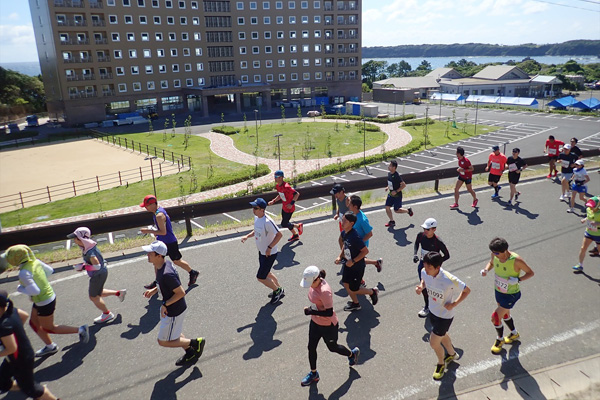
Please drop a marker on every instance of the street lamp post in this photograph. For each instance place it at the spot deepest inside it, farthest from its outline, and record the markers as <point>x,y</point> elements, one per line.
<point>476,109</point>
<point>278,148</point>
<point>152,169</point>
<point>438,80</point>
<point>256,124</point>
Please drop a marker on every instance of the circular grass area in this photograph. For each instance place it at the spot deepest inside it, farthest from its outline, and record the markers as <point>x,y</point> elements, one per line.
<point>308,140</point>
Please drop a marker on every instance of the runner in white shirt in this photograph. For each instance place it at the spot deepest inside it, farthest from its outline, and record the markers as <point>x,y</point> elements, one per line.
<point>267,236</point>
<point>578,184</point>
<point>445,291</point>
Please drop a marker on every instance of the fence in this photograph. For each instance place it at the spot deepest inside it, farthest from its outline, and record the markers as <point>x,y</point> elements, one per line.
<point>88,185</point>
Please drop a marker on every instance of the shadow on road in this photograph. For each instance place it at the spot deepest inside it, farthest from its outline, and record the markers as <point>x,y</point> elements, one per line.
<point>512,369</point>
<point>588,276</point>
<point>358,325</point>
<point>472,217</point>
<point>261,333</point>
<point>337,393</point>
<point>166,388</point>
<point>147,321</point>
<point>400,235</point>
<point>286,255</point>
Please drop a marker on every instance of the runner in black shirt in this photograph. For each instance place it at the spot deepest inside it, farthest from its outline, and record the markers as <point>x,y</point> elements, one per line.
<point>394,198</point>
<point>576,150</point>
<point>515,165</point>
<point>567,161</point>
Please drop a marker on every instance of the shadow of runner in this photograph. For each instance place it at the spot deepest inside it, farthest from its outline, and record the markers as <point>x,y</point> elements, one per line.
<point>166,388</point>
<point>262,332</point>
<point>511,367</point>
<point>358,324</point>
<point>472,217</point>
<point>400,235</point>
<point>286,255</point>
<point>147,321</point>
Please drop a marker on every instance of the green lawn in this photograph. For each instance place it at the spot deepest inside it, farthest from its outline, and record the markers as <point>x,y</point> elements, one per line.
<point>318,137</point>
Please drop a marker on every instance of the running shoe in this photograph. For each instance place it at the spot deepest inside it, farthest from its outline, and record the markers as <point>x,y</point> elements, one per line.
<point>497,347</point>
<point>197,347</point>
<point>294,238</point>
<point>278,295</point>
<point>509,203</point>
<point>104,318</point>
<point>193,277</point>
<point>84,334</point>
<point>455,205</point>
<point>150,286</point>
<point>439,372</point>
<point>594,253</point>
<point>352,307</point>
<point>47,350</point>
<point>475,203</point>
<point>495,195</point>
<point>353,358</point>
<point>517,196</point>
<point>391,223</point>
<point>549,176</point>
<point>511,338</point>
<point>122,294</point>
<point>449,358</point>
<point>379,264</point>
<point>363,285</point>
<point>570,210</point>
<point>577,268</point>
<point>300,228</point>
<point>423,313</point>
<point>562,197</point>
<point>555,173</point>
<point>310,378</point>
<point>410,212</point>
<point>375,296</point>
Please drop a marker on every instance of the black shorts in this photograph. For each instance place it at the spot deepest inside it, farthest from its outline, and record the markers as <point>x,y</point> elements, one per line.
<point>173,251</point>
<point>494,178</point>
<point>285,220</point>
<point>353,275</point>
<point>513,178</point>
<point>440,325</point>
<point>22,372</point>
<point>265,264</point>
<point>465,180</point>
<point>47,310</point>
<point>552,158</point>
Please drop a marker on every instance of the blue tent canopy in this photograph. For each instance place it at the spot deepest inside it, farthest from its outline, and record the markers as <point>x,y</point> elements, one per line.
<point>588,104</point>
<point>563,102</point>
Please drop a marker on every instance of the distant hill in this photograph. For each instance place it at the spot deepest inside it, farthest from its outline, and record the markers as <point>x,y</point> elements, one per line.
<point>570,48</point>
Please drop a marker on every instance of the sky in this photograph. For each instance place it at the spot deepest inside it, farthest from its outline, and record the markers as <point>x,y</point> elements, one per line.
<point>397,22</point>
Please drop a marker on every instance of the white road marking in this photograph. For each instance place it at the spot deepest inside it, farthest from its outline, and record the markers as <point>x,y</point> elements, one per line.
<point>110,238</point>
<point>197,224</point>
<point>233,218</point>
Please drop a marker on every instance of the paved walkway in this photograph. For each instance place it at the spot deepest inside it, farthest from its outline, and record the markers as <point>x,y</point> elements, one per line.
<point>222,145</point>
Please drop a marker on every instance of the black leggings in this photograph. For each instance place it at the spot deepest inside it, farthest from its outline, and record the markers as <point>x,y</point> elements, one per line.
<point>425,295</point>
<point>330,336</point>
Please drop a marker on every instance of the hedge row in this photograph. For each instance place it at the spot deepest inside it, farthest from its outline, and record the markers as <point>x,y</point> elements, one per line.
<point>419,122</point>
<point>387,120</point>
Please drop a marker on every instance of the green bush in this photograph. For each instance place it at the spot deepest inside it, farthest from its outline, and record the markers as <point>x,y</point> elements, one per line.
<point>226,130</point>
<point>368,127</point>
<point>419,122</point>
<point>388,120</point>
<point>247,174</point>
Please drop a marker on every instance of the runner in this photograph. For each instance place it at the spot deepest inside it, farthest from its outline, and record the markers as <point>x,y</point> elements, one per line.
<point>428,241</point>
<point>18,353</point>
<point>592,231</point>
<point>495,165</point>
<point>364,229</point>
<point>567,161</point>
<point>164,233</point>
<point>341,201</point>
<point>515,165</point>
<point>267,236</point>
<point>447,292</point>
<point>95,266</point>
<point>288,196</point>
<point>507,267</point>
<point>394,187</point>
<point>33,278</point>
<point>323,322</point>
<point>173,308</point>
<point>575,149</point>
<point>352,257</point>
<point>465,175</point>
<point>552,149</point>
<point>580,178</point>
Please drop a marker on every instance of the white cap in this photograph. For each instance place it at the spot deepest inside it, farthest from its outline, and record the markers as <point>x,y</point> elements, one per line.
<point>579,162</point>
<point>310,274</point>
<point>429,223</point>
<point>567,146</point>
<point>156,247</point>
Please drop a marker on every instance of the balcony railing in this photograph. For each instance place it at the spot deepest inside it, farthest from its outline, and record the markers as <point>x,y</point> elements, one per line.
<point>101,41</point>
<point>98,22</point>
<point>69,3</point>
<point>83,95</point>
<point>104,58</point>
<point>347,78</point>
<point>84,77</point>
<point>107,93</point>
<point>78,60</point>
<point>106,76</point>
<point>71,22</point>
<point>96,4</point>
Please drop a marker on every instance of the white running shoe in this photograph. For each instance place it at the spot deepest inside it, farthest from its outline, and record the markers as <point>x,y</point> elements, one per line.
<point>122,294</point>
<point>570,210</point>
<point>84,333</point>
<point>424,312</point>
<point>104,318</point>
<point>562,197</point>
<point>47,350</point>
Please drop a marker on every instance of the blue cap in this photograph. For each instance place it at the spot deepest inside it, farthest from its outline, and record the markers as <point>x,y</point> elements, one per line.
<point>260,202</point>
<point>278,173</point>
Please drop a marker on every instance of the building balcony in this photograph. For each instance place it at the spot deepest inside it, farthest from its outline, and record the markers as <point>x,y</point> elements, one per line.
<point>347,78</point>
<point>86,77</point>
<point>329,65</point>
<point>83,95</point>
<point>96,4</point>
<point>69,3</point>
<point>101,41</point>
<point>98,22</point>
<point>75,42</point>
<point>329,51</point>
<point>78,60</point>
<point>107,93</point>
<point>104,59</point>
<point>106,76</point>
<point>328,22</point>
<point>71,22</point>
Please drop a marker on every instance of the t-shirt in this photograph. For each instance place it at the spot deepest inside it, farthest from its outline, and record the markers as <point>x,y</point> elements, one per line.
<point>286,193</point>
<point>515,164</point>
<point>394,181</point>
<point>87,258</point>
<point>577,151</point>
<point>265,231</point>
<point>10,324</point>
<point>497,163</point>
<point>442,289</point>
<point>169,237</point>
<point>553,147</point>
<point>353,244</point>
<point>465,164</point>
<point>322,298</point>
<point>431,244</point>
<point>593,222</point>
<point>342,207</point>
<point>168,280</point>
<point>565,161</point>
<point>579,176</point>
<point>362,226</point>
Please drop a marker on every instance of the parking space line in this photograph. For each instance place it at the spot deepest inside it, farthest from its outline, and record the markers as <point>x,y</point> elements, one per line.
<point>316,183</point>
<point>362,173</point>
<point>340,178</point>
<point>405,166</point>
<point>197,224</point>
<point>233,218</point>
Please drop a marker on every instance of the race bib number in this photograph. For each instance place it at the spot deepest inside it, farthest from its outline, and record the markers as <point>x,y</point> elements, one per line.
<point>436,295</point>
<point>565,163</point>
<point>390,185</point>
<point>591,226</point>
<point>495,165</point>
<point>552,152</point>
<point>282,196</point>
<point>347,254</point>
<point>501,284</point>
<point>512,167</point>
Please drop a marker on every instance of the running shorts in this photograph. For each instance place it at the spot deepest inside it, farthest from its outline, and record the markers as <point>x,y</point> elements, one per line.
<point>171,328</point>
<point>47,310</point>
<point>264,265</point>
<point>506,300</point>
<point>494,178</point>
<point>440,326</point>
<point>395,202</point>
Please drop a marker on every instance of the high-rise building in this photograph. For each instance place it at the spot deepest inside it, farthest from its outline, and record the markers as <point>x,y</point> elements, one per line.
<point>103,57</point>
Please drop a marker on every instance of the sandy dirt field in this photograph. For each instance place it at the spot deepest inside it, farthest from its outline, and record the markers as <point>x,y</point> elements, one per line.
<point>36,167</point>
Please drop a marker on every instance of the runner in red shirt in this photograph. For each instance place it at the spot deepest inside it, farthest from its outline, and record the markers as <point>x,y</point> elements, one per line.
<point>552,149</point>
<point>288,195</point>
<point>496,164</point>
<point>465,174</point>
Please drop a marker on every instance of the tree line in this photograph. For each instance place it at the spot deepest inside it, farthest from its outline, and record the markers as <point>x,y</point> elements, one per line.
<point>20,94</point>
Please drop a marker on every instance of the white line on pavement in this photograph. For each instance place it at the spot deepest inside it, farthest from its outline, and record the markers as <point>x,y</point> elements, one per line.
<point>233,218</point>
<point>197,224</point>
<point>110,238</point>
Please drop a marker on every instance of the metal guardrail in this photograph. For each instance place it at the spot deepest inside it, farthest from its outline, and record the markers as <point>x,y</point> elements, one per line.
<point>58,232</point>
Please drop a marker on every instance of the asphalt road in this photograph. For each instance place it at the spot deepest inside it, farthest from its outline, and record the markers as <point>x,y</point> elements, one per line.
<point>256,350</point>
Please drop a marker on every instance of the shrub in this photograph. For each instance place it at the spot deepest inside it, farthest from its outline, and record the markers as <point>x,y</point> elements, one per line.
<point>226,130</point>
<point>418,122</point>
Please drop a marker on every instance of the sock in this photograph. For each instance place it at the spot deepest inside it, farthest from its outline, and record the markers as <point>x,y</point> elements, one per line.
<point>500,331</point>
<point>510,323</point>
<point>106,313</point>
<point>496,189</point>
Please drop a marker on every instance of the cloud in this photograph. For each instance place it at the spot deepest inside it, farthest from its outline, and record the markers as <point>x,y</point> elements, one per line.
<point>13,16</point>
<point>532,7</point>
<point>17,35</point>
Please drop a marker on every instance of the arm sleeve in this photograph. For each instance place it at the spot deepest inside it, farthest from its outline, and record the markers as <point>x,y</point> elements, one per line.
<point>28,285</point>
<point>325,313</point>
<point>417,243</point>
<point>444,250</point>
<point>48,270</point>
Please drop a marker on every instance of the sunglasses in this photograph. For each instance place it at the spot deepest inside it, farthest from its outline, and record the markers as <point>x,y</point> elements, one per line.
<point>256,208</point>
<point>426,229</point>
<point>496,253</point>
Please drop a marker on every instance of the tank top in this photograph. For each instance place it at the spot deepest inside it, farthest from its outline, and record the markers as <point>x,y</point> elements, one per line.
<point>503,271</point>
<point>169,237</point>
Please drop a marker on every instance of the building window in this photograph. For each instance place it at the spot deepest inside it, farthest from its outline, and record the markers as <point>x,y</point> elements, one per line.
<point>304,5</point>
<point>305,35</point>
<point>155,3</point>
<point>137,87</point>
<point>143,20</point>
<point>318,75</point>
<point>281,77</point>
<point>316,5</point>
<point>269,63</point>
<point>253,21</point>
<point>240,5</point>
<point>149,69</point>
<point>281,63</point>
<point>185,36</point>
<point>292,19</point>
<point>281,49</point>
<point>280,35</point>
<point>243,64</point>
<point>195,21</point>
<point>255,64</point>
<point>126,3</point>
<point>187,67</point>
<point>189,82</point>
<point>132,53</point>
<point>257,79</point>
<point>197,36</point>
<point>267,20</point>
<point>164,84</point>
<point>317,19</point>
<point>130,37</point>
<point>317,34</point>
<point>118,54</point>
<point>182,4</point>
<point>292,34</point>
<point>156,20</point>
<point>317,62</point>
<point>244,78</point>
<point>317,48</point>
<point>242,35</point>
<point>122,87</point>
<point>172,36</point>
<point>183,20</point>
<point>294,76</point>
<point>198,51</point>
<point>173,52</point>
<point>199,66</point>
<point>150,85</point>
<point>177,83</point>
<point>186,52</point>
<point>135,70</point>
<point>120,71</point>
<point>305,19</point>
<point>194,5</point>
<point>158,36</point>
<point>170,21</point>
<point>112,19</point>
<point>255,50</point>
<point>128,19</point>
<point>279,5</point>
<point>141,3</point>
<point>115,37</point>
<point>293,62</point>
<point>267,34</point>
<point>241,21</point>
<point>305,62</point>
<point>254,35</point>
<point>253,5</point>
<point>175,67</point>
<point>292,5</point>
<point>168,4</point>
<point>268,49</point>
<point>293,48</point>
<point>200,81</point>
<point>145,37</point>
<point>162,68</point>
<point>269,77</point>
<point>243,50</point>
<point>110,3</point>
<point>279,20</point>
<point>305,48</point>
